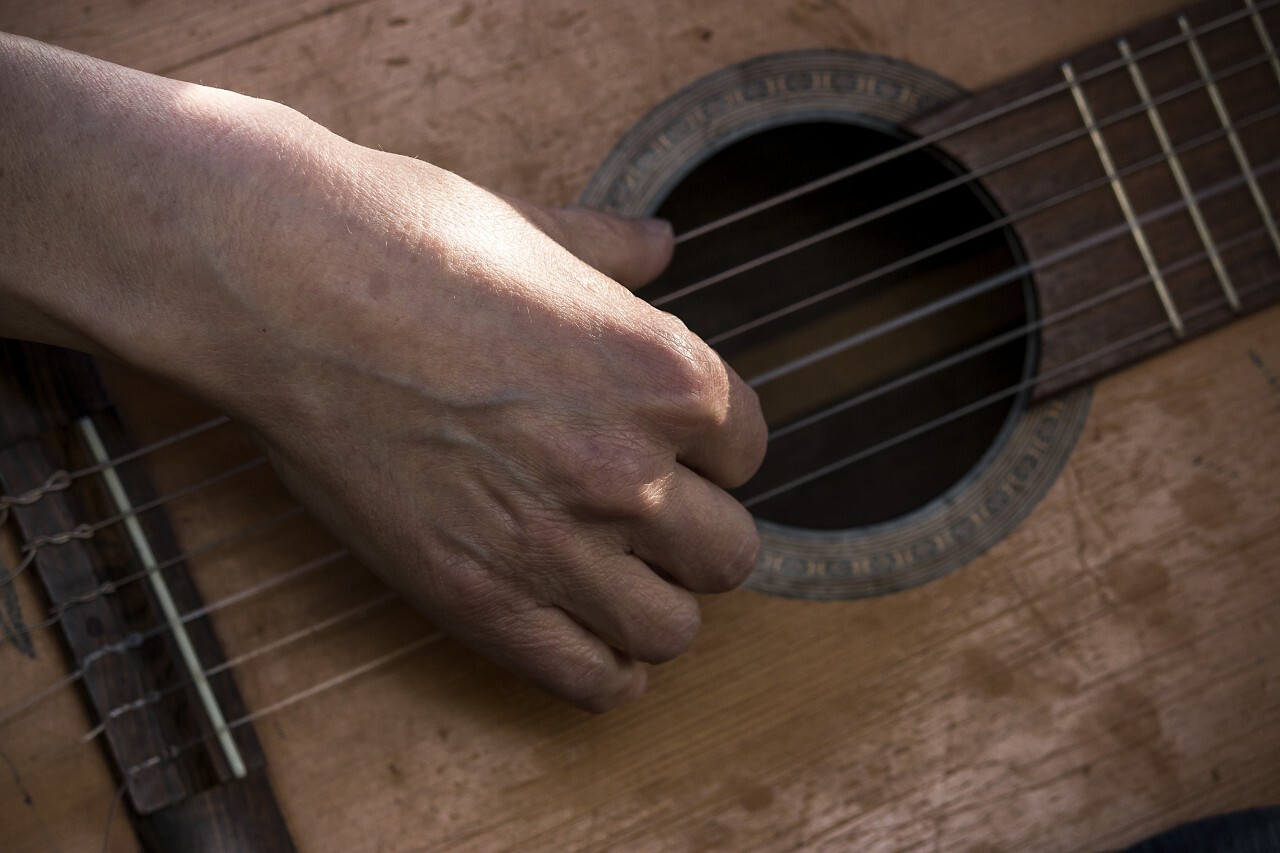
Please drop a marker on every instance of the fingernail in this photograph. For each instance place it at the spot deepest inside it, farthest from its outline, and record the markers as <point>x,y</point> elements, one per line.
<point>657,227</point>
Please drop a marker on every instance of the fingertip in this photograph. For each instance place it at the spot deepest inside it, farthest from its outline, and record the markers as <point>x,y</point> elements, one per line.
<point>630,688</point>
<point>660,231</point>
<point>662,237</point>
<point>631,250</point>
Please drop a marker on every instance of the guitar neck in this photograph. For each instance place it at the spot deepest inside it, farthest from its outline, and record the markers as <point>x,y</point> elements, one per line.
<point>1141,176</point>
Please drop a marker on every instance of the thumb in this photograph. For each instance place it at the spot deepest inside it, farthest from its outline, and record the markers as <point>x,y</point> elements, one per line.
<point>631,251</point>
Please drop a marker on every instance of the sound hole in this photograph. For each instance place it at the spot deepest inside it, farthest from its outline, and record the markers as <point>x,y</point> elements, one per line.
<point>860,401</point>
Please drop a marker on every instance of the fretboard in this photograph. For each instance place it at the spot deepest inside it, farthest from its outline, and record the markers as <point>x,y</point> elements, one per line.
<point>1143,178</point>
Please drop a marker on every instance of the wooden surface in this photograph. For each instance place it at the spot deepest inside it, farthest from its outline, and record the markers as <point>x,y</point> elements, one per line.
<point>1111,669</point>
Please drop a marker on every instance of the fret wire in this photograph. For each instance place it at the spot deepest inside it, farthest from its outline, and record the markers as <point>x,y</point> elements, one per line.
<point>164,598</point>
<point>1126,207</point>
<point>1264,36</point>
<point>986,285</point>
<point>1006,337</point>
<point>1180,177</point>
<point>1237,146</point>
<point>1014,159</point>
<point>944,133</point>
<point>1008,219</point>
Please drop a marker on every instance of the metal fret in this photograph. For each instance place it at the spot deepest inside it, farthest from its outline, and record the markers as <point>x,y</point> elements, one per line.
<point>1236,145</point>
<point>1264,36</point>
<point>1179,176</point>
<point>1139,237</point>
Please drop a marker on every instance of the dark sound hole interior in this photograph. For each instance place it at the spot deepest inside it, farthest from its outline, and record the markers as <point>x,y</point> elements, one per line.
<point>861,400</point>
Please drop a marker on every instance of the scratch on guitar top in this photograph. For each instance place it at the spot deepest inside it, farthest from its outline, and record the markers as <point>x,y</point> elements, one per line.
<point>17,778</point>
<point>12,627</point>
<point>27,800</point>
<point>1265,369</point>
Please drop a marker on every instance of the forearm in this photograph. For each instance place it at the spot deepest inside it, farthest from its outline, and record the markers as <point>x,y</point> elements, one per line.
<point>114,189</point>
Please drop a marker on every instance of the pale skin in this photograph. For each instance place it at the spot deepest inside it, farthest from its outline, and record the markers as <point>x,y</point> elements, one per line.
<point>460,385</point>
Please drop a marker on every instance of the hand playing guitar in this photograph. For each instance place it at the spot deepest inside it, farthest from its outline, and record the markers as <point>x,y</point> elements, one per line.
<point>452,381</point>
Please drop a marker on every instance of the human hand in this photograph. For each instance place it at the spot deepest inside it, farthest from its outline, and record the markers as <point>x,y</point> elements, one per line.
<point>452,381</point>
<point>532,456</point>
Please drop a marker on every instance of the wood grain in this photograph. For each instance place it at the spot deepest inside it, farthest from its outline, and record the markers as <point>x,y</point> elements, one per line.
<point>1111,669</point>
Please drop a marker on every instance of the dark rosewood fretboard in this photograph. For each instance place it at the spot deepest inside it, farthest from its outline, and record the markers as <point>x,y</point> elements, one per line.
<point>1168,233</point>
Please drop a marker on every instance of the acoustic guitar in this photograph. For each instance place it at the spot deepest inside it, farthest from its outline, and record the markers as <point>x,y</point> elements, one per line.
<point>1002,279</point>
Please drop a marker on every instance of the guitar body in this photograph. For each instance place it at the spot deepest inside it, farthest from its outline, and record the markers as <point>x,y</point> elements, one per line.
<point>1109,669</point>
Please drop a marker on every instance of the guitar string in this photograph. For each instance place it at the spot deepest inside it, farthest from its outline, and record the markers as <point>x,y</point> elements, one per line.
<point>991,283</point>
<point>296,698</point>
<point>421,642</point>
<point>1014,218</point>
<point>1097,614</point>
<point>806,478</point>
<point>316,689</point>
<point>426,640</point>
<point>159,444</point>
<point>141,451</point>
<point>1009,336</point>
<point>111,815</point>
<point>135,639</point>
<point>906,148</point>
<point>154,696</point>
<point>995,397</point>
<point>89,529</point>
<point>974,291</point>
<point>58,611</point>
<point>136,453</point>
<point>986,286</point>
<point>1030,99</point>
<point>83,530</point>
<point>965,179</point>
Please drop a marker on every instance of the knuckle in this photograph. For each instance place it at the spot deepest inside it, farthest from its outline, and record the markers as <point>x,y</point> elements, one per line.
<point>649,501</point>
<point>546,539</point>
<point>686,376</point>
<point>463,592</point>
<point>620,477</point>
